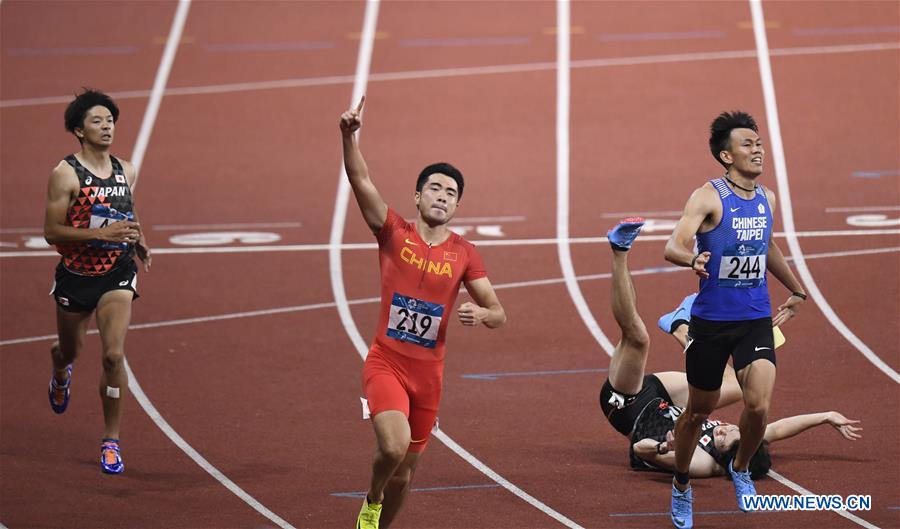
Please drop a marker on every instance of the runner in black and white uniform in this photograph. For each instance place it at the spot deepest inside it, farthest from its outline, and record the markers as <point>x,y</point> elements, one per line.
<point>628,389</point>
<point>91,220</point>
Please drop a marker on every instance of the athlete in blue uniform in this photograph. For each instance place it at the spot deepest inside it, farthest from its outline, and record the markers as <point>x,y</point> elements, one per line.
<point>732,219</point>
<point>646,408</point>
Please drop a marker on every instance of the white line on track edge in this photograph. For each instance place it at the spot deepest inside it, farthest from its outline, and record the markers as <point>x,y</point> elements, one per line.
<point>337,280</point>
<point>768,87</point>
<point>137,158</point>
<point>562,176</point>
<point>802,490</point>
<point>361,301</point>
<point>784,192</point>
<point>482,243</point>
<point>470,71</point>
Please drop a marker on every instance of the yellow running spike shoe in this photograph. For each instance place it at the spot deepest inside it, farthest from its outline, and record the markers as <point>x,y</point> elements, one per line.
<point>368,515</point>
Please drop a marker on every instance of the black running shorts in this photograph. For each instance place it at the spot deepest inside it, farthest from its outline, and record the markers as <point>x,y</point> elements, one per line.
<point>712,342</point>
<point>78,293</point>
<point>623,410</point>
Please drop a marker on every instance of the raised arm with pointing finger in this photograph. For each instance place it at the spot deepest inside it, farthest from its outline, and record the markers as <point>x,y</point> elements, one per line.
<point>423,264</point>
<point>372,206</point>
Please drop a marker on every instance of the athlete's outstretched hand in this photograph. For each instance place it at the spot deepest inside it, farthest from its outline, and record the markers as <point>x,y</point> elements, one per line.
<point>844,425</point>
<point>699,266</point>
<point>351,120</point>
<point>471,314</point>
<point>787,310</point>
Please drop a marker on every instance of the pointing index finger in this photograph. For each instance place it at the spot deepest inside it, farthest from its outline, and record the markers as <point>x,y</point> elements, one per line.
<point>362,102</point>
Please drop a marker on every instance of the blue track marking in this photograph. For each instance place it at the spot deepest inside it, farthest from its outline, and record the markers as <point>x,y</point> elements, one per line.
<point>95,50</point>
<point>876,174</point>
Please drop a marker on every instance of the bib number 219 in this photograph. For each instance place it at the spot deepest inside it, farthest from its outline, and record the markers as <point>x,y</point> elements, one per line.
<point>414,320</point>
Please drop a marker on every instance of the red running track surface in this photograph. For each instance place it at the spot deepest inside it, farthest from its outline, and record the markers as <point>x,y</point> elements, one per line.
<point>239,346</point>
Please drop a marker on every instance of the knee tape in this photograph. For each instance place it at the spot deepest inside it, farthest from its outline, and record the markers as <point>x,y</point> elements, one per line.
<point>112,392</point>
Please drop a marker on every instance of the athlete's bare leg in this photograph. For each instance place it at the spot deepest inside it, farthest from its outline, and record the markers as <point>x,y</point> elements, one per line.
<point>758,382</point>
<point>392,435</point>
<point>681,335</point>
<point>397,488</point>
<point>71,328</point>
<point>626,369</point>
<point>687,428</point>
<point>113,317</point>
<point>676,383</point>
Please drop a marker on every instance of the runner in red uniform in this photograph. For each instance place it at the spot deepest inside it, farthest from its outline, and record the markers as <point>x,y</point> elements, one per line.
<point>423,264</point>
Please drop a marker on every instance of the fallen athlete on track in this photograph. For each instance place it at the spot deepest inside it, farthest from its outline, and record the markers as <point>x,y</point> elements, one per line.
<point>645,408</point>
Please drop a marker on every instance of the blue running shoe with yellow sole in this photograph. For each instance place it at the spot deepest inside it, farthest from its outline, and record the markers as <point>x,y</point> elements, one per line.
<point>60,393</point>
<point>624,233</point>
<point>682,312</point>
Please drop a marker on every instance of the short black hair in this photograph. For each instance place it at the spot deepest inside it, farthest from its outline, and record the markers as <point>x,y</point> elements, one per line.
<point>445,169</point>
<point>760,463</point>
<point>721,127</point>
<point>86,100</point>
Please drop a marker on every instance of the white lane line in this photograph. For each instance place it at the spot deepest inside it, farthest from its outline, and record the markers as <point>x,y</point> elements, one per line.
<point>179,441</point>
<point>861,209</point>
<point>802,490</point>
<point>467,71</point>
<point>205,319</point>
<point>336,267</point>
<point>562,176</point>
<point>487,471</point>
<point>483,243</point>
<point>159,86</point>
<point>137,158</point>
<point>787,212</point>
<point>362,301</point>
<point>768,85</point>
<point>507,218</point>
<point>239,226</point>
<point>869,251</point>
<point>622,214</point>
<point>22,230</point>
